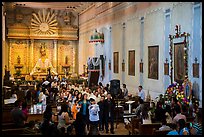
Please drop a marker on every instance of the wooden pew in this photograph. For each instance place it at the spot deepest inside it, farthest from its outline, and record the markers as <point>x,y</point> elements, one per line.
<point>147,129</point>
<point>6,116</point>
<point>8,125</point>
<point>14,131</point>
<point>158,132</point>
<point>134,126</point>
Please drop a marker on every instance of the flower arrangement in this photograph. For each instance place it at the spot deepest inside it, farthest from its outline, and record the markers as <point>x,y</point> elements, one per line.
<point>176,90</point>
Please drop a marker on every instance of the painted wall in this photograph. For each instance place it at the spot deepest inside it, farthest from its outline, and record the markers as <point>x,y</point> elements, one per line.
<point>159,21</point>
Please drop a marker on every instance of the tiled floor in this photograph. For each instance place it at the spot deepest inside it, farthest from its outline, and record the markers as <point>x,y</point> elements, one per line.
<point>120,130</point>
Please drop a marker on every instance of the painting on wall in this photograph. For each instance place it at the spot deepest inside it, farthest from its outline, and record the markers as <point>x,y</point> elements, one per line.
<point>115,62</point>
<point>153,59</point>
<point>179,62</point>
<point>131,63</point>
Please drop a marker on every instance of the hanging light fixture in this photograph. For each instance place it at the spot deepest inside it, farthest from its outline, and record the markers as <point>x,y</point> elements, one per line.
<point>96,37</point>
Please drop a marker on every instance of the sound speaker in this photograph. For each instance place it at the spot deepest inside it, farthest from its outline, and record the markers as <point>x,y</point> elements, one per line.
<point>114,87</point>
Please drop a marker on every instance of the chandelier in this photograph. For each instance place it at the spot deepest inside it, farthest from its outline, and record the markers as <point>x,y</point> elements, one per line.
<point>96,37</point>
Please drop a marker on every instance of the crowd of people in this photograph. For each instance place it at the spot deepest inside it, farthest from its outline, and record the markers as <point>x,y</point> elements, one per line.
<point>89,110</point>
<point>175,114</point>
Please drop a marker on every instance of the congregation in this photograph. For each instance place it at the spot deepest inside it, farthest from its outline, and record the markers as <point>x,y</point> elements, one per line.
<point>84,110</point>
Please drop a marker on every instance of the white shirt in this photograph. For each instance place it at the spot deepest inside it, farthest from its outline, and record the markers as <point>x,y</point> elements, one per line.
<point>42,98</point>
<point>93,112</point>
<point>164,127</point>
<point>92,96</point>
<point>98,99</point>
<point>142,95</point>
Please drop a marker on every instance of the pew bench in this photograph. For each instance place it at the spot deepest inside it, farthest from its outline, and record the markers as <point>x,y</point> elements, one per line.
<point>158,132</point>
<point>147,129</point>
<point>14,131</point>
<point>9,125</point>
<point>133,127</point>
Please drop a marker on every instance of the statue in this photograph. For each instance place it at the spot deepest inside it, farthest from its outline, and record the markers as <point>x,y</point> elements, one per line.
<point>19,60</point>
<point>43,64</point>
<point>66,60</point>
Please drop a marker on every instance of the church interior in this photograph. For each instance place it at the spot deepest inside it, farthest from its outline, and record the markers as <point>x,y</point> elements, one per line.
<point>102,68</point>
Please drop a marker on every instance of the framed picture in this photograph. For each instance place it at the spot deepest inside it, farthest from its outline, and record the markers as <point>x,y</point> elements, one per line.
<point>131,63</point>
<point>115,62</point>
<point>166,68</point>
<point>153,59</point>
<point>196,70</point>
<point>179,62</point>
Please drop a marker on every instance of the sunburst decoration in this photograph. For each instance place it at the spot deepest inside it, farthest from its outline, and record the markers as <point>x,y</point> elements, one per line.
<point>44,22</point>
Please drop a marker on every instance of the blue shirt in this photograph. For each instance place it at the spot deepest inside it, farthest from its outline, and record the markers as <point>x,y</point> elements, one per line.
<point>173,132</point>
<point>141,94</point>
<point>84,107</point>
<point>182,130</point>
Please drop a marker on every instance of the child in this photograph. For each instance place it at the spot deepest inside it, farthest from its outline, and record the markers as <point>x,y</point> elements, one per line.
<point>94,117</point>
<point>75,109</point>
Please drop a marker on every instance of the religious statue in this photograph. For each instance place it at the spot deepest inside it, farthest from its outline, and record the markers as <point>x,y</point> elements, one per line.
<point>43,64</point>
<point>66,60</point>
<point>69,18</point>
<point>19,60</point>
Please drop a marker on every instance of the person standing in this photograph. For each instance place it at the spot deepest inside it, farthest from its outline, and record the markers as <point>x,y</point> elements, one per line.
<point>79,125</point>
<point>83,105</point>
<point>93,117</point>
<point>125,91</point>
<point>141,93</point>
<point>101,113</point>
<point>109,106</point>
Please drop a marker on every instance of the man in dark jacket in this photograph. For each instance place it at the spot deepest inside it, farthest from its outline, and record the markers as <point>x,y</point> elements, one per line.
<point>109,107</point>
<point>101,113</point>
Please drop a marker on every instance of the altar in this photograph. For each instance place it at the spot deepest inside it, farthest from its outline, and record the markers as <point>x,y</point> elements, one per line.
<point>39,76</point>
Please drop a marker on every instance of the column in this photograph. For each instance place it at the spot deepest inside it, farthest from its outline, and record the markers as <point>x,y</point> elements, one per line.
<point>55,58</point>
<point>141,47</point>
<point>3,41</point>
<point>123,53</point>
<point>74,58</point>
<point>28,57</point>
<point>31,42</point>
<point>196,50</point>
<point>166,78</point>
<point>55,54</point>
<point>111,55</point>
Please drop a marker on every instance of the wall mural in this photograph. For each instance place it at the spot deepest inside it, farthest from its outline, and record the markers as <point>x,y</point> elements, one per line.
<point>153,59</point>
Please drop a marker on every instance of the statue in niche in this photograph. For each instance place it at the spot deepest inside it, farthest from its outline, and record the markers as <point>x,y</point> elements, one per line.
<point>69,18</point>
<point>19,60</point>
<point>66,60</point>
<point>43,64</point>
